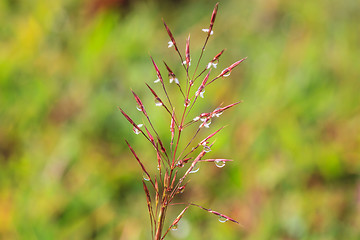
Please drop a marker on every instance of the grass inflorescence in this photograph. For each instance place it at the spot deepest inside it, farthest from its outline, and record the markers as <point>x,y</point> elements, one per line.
<point>174,164</point>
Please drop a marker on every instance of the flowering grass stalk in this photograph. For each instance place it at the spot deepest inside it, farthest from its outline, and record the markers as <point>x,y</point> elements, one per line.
<point>175,165</point>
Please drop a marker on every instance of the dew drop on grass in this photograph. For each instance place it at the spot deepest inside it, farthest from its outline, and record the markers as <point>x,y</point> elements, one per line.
<point>137,131</point>
<point>220,163</point>
<point>223,219</point>
<point>218,112</point>
<point>145,177</point>
<point>208,122</point>
<point>207,148</point>
<point>158,102</point>
<point>227,74</point>
<point>174,227</point>
<point>195,169</point>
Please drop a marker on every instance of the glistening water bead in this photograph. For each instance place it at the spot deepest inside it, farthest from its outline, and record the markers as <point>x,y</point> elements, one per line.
<point>223,219</point>
<point>195,169</point>
<point>158,102</point>
<point>174,227</point>
<point>207,149</point>
<point>220,163</point>
<point>137,131</point>
<point>145,177</point>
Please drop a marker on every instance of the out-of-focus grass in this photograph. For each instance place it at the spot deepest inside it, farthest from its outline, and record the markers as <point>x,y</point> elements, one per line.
<point>65,171</point>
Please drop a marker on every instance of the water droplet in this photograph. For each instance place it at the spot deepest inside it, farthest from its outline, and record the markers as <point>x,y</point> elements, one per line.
<point>158,102</point>
<point>208,122</point>
<point>181,189</point>
<point>207,30</point>
<point>218,112</point>
<point>138,108</point>
<point>180,164</point>
<point>220,163</point>
<point>146,177</point>
<point>195,119</point>
<point>184,62</point>
<point>223,219</point>
<point>174,79</point>
<point>137,131</point>
<point>195,169</point>
<point>202,93</point>
<point>227,74</point>
<point>174,227</point>
<point>207,148</point>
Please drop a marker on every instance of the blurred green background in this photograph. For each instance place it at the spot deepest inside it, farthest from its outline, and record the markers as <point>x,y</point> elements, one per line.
<point>65,67</point>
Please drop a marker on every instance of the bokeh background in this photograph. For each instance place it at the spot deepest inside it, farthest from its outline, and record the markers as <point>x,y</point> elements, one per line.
<point>65,67</point>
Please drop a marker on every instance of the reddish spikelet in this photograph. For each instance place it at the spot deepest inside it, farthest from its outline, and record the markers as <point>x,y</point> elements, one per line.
<point>210,136</point>
<point>148,200</point>
<point>228,70</point>
<point>161,146</point>
<point>202,115</point>
<point>140,104</point>
<point>171,74</point>
<point>150,136</point>
<point>198,158</point>
<point>216,58</point>
<point>202,86</point>
<point>187,52</point>
<point>212,20</point>
<point>176,221</point>
<point>157,71</point>
<point>152,91</point>
<point>206,122</point>
<point>171,36</point>
<point>181,163</point>
<point>216,213</point>
<point>172,127</point>
<point>174,179</point>
<point>155,95</point>
<point>220,110</point>
<point>181,189</point>
<point>130,120</point>
<point>216,159</point>
<point>166,180</point>
<point>140,163</point>
<point>158,156</point>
